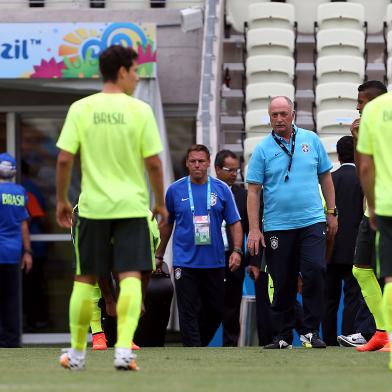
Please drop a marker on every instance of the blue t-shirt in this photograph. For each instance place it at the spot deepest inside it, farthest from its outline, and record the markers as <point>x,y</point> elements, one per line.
<point>223,207</point>
<point>297,202</point>
<point>13,200</point>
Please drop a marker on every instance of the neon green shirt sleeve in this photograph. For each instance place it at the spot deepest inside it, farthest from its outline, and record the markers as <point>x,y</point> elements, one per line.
<point>69,139</point>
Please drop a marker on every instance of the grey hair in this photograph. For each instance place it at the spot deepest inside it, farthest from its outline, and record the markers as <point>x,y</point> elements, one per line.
<point>288,100</point>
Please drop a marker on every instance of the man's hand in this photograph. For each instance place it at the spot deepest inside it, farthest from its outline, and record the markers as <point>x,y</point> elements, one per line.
<point>64,214</point>
<point>354,129</point>
<point>27,262</point>
<point>234,261</point>
<point>163,214</point>
<point>332,223</point>
<point>372,218</point>
<point>254,272</point>
<point>158,263</point>
<point>111,308</point>
<point>255,237</point>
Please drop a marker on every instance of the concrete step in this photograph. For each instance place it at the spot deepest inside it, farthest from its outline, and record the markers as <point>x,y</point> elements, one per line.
<point>231,120</point>
<point>232,93</point>
<point>236,39</point>
<point>234,67</point>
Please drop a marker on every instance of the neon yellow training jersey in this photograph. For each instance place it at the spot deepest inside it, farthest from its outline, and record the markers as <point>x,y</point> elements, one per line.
<point>114,133</point>
<point>375,138</point>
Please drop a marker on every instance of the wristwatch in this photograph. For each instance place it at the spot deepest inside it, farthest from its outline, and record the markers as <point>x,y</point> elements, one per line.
<point>332,211</point>
<point>239,251</point>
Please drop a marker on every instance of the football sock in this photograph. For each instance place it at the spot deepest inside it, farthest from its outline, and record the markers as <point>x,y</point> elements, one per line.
<point>95,323</point>
<point>372,294</point>
<point>80,309</point>
<point>387,307</point>
<point>128,310</point>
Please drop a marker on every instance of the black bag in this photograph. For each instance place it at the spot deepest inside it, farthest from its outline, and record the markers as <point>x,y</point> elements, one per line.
<point>152,325</point>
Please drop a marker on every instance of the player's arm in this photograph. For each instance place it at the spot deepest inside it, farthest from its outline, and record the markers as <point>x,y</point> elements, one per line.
<point>237,235</point>
<point>328,190</point>
<point>27,259</point>
<point>253,207</point>
<point>354,129</point>
<point>65,161</point>
<point>154,169</point>
<point>367,176</point>
<point>166,232</point>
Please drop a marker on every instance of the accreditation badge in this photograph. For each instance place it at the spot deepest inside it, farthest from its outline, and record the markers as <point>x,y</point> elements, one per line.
<point>201,224</point>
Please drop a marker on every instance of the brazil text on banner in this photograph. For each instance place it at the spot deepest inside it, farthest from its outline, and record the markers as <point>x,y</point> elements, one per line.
<point>71,50</point>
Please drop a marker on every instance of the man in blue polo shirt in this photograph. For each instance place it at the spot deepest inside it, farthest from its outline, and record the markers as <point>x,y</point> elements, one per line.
<point>198,204</point>
<point>15,250</point>
<point>289,164</point>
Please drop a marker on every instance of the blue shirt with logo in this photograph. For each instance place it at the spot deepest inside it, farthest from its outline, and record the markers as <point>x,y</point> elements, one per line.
<point>223,207</point>
<point>13,200</point>
<point>297,202</point>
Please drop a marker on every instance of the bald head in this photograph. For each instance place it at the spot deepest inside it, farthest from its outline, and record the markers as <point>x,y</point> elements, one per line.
<point>281,112</point>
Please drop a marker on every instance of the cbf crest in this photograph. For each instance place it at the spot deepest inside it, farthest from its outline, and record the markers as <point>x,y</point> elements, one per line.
<point>274,242</point>
<point>177,273</point>
<point>305,147</point>
<point>214,198</point>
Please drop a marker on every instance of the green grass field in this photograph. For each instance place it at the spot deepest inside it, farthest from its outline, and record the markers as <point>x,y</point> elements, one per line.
<point>196,369</point>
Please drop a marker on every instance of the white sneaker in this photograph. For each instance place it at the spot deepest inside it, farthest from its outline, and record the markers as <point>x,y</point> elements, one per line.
<point>70,361</point>
<point>124,359</point>
<point>353,340</point>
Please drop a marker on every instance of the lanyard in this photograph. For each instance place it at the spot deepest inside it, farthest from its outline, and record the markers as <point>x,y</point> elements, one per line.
<point>191,196</point>
<point>284,148</point>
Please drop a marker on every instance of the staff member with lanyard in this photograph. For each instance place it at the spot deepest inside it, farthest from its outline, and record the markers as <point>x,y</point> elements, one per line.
<point>289,164</point>
<point>198,204</point>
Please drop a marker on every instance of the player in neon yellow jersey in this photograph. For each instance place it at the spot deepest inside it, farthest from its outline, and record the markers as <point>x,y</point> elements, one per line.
<point>374,146</point>
<point>118,141</point>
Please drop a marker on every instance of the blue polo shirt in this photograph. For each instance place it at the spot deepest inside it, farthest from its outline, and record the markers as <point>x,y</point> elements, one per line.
<point>295,203</point>
<point>223,207</point>
<point>13,199</point>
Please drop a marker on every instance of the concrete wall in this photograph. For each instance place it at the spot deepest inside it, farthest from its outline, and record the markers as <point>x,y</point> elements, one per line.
<point>179,53</point>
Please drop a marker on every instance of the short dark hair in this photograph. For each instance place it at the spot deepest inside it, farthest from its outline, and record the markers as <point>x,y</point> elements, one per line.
<point>345,149</point>
<point>198,147</point>
<point>372,89</point>
<point>222,155</point>
<point>113,58</point>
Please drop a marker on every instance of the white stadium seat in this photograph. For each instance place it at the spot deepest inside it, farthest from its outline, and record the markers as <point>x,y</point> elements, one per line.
<point>340,41</point>
<point>270,69</point>
<point>183,4</point>
<point>336,121</point>
<point>257,121</point>
<point>329,142</point>
<point>270,41</point>
<point>349,69</point>
<point>258,95</point>
<point>249,145</point>
<point>388,16</point>
<point>67,4</point>
<point>14,4</point>
<point>237,12</point>
<point>343,15</point>
<point>127,5</point>
<point>276,15</point>
<point>375,13</point>
<point>306,13</point>
<point>389,69</point>
<point>331,96</point>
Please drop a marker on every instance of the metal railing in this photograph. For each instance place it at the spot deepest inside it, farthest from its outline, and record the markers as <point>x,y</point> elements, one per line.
<point>208,123</point>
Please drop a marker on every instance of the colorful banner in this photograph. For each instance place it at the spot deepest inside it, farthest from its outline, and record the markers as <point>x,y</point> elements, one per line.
<point>70,50</point>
